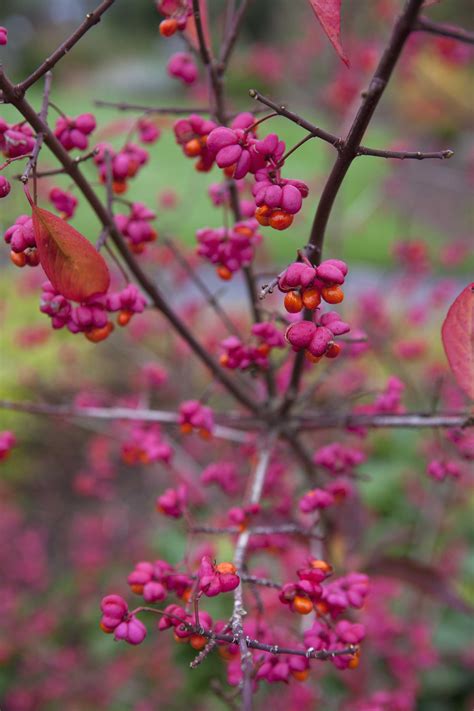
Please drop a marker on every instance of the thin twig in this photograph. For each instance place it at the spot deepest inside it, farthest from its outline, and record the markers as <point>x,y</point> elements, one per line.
<point>424,24</point>
<point>31,165</point>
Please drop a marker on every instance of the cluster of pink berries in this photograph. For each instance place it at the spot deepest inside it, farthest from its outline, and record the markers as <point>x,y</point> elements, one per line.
<point>338,458</point>
<point>343,593</point>
<point>154,581</point>
<point>136,227</point>
<point>338,637</point>
<point>73,132</point>
<point>16,139</point>
<point>181,622</point>
<point>229,249</point>
<point>145,445</point>
<point>317,338</point>
<point>21,238</point>
<point>173,501</point>
<point>216,579</point>
<point>194,416</point>
<point>241,515</point>
<point>125,164</point>
<point>240,355</point>
<point>191,134</point>
<point>177,13</point>
<point>7,442</point>
<point>237,150</point>
<point>148,131</point>
<point>181,65</point>
<point>64,202</point>
<point>116,618</point>
<point>223,474</point>
<point>302,595</point>
<point>91,317</point>
<point>3,36</point>
<point>440,469</point>
<point>305,285</point>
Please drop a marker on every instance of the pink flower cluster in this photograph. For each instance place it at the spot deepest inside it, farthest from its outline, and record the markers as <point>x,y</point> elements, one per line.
<point>239,355</point>
<point>125,164</point>
<point>193,415</point>
<point>223,474</point>
<point>7,442</point>
<point>117,619</point>
<point>173,502</point>
<point>300,596</point>
<point>315,500</point>
<point>343,634</point>
<point>215,579</point>
<point>73,132</point>
<point>181,65</point>
<point>229,249</point>
<point>148,131</point>
<point>338,458</point>
<point>16,139</point>
<point>92,316</point>
<point>317,338</point>
<point>145,445</point>
<point>64,202</point>
<point>191,134</point>
<point>136,227</point>
<point>21,238</point>
<point>155,580</point>
<point>440,469</point>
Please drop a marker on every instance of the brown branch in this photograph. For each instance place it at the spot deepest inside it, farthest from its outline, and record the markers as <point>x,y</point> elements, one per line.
<point>415,420</point>
<point>161,110</point>
<point>43,115</point>
<point>141,277</point>
<point>92,18</point>
<point>424,24</point>
<point>339,143</point>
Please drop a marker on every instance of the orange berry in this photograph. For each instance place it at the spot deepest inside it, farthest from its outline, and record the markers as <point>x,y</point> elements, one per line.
<point>192,148</point>
<point>143,457</point>
<point>205,434</point>
<point>243,230</point>
<point>32,257</point>
<point>224,273</point>
<point>293,302</point>
<point>168,27</point>
<point>124,317</point>
<point>186,428</point>
<point>321,565</point>
<point>105,629</point>
<point>225,654</point>
<point>137,248</point>
<point>137,588</point>
<point>226,568</point>
<point>229,171</point>
<point>95,335</point>
<point>311,298</point>
<point>321,607</point>
<point>302,605</point>
<point>354,662</point>
<point>300,675</point>
<point>18,258</point>
<point>264,349</point>
<point>332,294</point>
<point>280,220</point>
<point>224,359</point>
<point>180,640</point>
<point>119,186</point>
<point>197,642</point>
<point>133,167</point>
<point>186,596</point>
<point>202,166</point>
<point>262,215</point>
<point>333,350</point>
<point>312,358</point>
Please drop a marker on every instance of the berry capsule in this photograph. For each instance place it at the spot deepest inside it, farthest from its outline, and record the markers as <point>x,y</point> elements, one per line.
<point>300,675</point>
<point>197,642</point>
<point>332,294</point>
<point>124,317</point>
<point>226,568</point>
<point>168,27</point>
<point>311,298</point>
<point>293,302</point>
<point>302,605</point>
<point>95,335</point>
<point>119,187</point>
<point>18,258</point>
<point>280,220</point>
<point>262,215</point>
<point>192,148</point>
<point>224,273</point>
<point>333,350</point>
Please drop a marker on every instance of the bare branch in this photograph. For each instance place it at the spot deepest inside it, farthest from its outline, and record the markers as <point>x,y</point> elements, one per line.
<point>424,24</point>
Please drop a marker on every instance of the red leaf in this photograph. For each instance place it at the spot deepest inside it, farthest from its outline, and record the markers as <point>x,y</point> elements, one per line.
<point>72,264</point>
<point>328,13</point>
<point>458,339</point>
